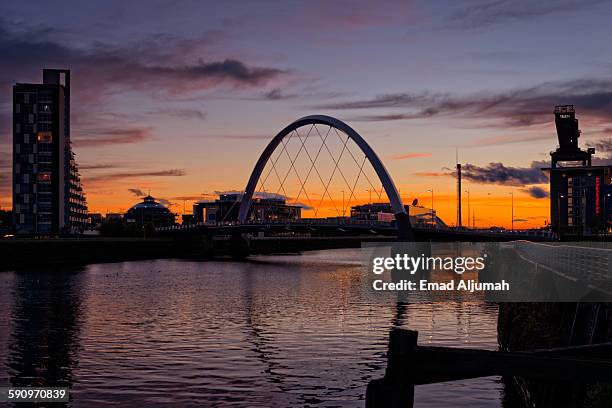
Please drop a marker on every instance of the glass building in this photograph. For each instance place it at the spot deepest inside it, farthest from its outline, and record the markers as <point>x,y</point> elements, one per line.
<point>47,194</point>
<point>263,209</point>
<point>150,212</point>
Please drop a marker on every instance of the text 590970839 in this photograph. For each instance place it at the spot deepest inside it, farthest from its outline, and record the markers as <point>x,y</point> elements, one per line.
<point>34,394</point>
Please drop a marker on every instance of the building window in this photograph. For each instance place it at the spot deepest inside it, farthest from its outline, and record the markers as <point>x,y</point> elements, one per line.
<point>44,167</point>
<point>44,188</point>
<point>43,176</point>
<point>44,117</point>
<point>45,148</point>
<point>44,207</point>
<point>44,137</point>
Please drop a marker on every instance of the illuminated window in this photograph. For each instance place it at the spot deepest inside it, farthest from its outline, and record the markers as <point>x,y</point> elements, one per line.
<point>44,177</point>
<point>44,137</point>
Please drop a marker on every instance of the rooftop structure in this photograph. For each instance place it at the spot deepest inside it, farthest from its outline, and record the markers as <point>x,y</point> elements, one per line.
<point>568,134</point>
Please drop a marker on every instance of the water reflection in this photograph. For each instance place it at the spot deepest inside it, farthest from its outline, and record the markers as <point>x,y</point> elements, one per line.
<point>45,323</point>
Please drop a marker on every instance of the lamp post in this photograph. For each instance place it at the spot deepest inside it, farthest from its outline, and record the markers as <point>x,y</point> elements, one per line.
<point>512,205</point>
<point>489,194</point>
<point>343,212</point>
<point>432,207</point>
<point>468,217</point>
<point>474,218</point>
<point>369,190</point>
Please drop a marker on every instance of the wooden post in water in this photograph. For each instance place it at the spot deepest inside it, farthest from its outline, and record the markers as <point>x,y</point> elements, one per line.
<point>409,365</point>
<point>394,390</point>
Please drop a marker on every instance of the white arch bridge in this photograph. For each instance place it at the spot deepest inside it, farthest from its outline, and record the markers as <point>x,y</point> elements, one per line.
<point>344,230</point>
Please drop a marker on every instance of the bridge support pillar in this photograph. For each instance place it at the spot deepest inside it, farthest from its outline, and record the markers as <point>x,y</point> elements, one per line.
<point>239,246</point>
<point>404,229</point>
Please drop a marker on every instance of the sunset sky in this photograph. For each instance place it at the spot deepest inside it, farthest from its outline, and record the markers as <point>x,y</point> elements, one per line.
<point>180,97</point>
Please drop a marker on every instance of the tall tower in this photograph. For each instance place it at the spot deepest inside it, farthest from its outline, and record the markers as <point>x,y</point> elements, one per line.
<point>47,195</point>
<point>459,195</point>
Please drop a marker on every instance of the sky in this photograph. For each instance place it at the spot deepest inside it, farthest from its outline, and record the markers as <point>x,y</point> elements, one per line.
<point>180,97</point>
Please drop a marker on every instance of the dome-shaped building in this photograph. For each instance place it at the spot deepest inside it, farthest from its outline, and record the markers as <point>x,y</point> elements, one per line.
<point>148,212</point>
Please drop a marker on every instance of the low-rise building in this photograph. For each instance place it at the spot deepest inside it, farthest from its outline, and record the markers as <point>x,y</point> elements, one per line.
<point>263,209</point>
<point>149,212</point>
<point>383,212</point>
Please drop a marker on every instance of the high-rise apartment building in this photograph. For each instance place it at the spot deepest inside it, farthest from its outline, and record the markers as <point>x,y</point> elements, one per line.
<point>47,194</point>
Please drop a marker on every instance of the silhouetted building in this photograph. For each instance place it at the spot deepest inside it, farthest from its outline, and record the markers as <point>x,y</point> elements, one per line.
<point>113,217</point>
<point>95,219</point>
<point>580,194</point>
<point>226,207</point>
<point>47,193</point>
<point>6,222</point>
<point>187,219</point>
<point>419,216</point>
<point>149,212</point>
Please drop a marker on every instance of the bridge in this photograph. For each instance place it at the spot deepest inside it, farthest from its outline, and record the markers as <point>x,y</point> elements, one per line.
<point>304,163</point>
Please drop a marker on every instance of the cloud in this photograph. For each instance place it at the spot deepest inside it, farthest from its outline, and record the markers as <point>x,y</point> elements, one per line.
<point>97,166</point>
<point>603,151</point>
<point>188,197</point>
<point>205,74</point>
<point>277,94</point>
<point>433,174</point>
<point>165,202</point>
<point>137,192</point>
<point>497,173</point>
<point>182,113</point>
<point>160,64</point>
<point>508,139</point>
<point>518,108</point>
<point>6,160</point>
<point>536,192</point>
<point>404,156</point>
<point>493,12</point>
<point>105,137</point>
<point>136,174</point>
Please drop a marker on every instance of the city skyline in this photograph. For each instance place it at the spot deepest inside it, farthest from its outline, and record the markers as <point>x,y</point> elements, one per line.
<point>168,105</point>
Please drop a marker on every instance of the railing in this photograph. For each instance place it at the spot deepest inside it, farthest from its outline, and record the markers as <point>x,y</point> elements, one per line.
<point>579,262</point>
<point>314,222</point>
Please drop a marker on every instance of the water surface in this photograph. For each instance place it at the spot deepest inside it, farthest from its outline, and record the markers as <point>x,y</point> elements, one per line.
<point>286,331</point>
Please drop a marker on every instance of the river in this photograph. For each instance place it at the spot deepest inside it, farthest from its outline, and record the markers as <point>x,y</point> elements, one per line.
<point>282,331</point>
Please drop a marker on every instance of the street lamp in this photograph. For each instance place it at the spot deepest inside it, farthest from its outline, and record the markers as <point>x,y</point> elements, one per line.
<point>432,207</point>
<point>468,193</point>
<point>512,194</point>
<point>489,194</point>
<point>343,209</point>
